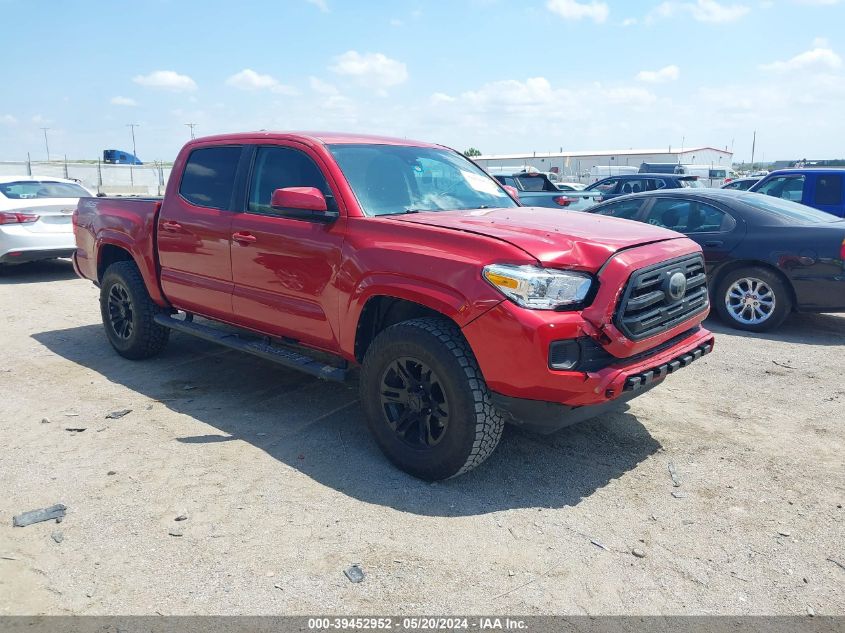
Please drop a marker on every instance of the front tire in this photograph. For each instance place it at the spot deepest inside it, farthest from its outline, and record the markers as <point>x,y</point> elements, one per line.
<point>426,401</point>
<point>128,313</point>
<point>753,299</point>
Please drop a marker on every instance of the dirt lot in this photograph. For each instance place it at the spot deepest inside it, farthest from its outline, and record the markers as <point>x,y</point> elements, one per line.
<point>284,489</point>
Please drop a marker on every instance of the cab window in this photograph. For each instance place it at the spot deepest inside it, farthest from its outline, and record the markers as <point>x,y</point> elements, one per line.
<point>209,176</point>
<point>829,189</point>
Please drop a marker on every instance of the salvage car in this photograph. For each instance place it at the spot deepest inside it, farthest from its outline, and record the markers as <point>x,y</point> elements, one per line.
<point>818,187</point>
<point>35,218</point>
<point>765,257</point>
<point>462,308</point>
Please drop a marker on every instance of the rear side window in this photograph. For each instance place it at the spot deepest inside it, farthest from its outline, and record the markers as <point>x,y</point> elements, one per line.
<point>688,216</point>
<point>209,176</point>
<point>626,209</point>
<point>829,189</point>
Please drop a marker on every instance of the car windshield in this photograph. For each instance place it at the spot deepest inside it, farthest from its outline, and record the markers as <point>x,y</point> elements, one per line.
<point>391,179</point>
<point>787,211</point>
<point>28,189</point>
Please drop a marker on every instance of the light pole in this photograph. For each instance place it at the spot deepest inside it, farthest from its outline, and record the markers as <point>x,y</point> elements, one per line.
<point>46,144</point>
<point>132,127</point>
<point>192,126</point>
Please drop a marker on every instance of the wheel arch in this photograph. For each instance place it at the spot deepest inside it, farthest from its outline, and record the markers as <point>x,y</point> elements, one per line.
<point>381,311</point>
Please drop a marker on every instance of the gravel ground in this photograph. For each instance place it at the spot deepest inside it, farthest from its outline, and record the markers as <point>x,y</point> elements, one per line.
<point>283,488</point>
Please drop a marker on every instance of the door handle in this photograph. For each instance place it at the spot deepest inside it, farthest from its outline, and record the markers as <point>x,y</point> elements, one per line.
<point>172,227</point>
<point>244,238</point>
<point>714,243</point>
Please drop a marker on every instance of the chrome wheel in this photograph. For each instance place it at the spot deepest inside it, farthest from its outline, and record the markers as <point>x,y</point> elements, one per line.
<point>750,301</point>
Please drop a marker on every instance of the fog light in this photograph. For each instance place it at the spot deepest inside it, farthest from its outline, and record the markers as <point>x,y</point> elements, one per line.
<point>564,355</point>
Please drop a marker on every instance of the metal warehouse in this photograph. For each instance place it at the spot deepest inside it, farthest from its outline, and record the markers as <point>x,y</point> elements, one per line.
<point>581,163</point>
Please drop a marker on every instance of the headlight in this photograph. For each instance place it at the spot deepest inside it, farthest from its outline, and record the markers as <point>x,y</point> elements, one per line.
<point>538,288</point>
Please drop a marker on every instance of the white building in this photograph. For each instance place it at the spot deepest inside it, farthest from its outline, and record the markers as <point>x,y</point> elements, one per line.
<point>577,165</point>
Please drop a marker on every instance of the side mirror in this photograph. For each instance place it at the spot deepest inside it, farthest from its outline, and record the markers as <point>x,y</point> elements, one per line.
<point>512,191</point>
<point>306,203</point>
<point>300,198</point>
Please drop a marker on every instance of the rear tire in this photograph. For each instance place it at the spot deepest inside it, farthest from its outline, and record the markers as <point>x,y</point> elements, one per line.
<point>128,313</point>
<point>426,401</point>
<point>753,299</point>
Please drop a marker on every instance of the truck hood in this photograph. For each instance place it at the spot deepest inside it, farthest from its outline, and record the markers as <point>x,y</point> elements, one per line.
<point>554,238</point>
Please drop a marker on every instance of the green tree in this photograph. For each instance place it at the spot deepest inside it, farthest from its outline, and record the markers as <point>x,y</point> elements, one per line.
<point>471,152</point>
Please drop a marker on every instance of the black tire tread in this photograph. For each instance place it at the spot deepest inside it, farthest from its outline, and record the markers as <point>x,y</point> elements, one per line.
<point>151,337</point>
<point>489,422</point>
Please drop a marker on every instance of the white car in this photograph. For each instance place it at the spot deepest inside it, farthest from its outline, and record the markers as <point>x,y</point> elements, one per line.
<point>35,217</point>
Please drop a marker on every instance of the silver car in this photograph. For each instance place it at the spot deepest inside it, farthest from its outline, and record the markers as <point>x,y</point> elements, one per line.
<point>35,218</point>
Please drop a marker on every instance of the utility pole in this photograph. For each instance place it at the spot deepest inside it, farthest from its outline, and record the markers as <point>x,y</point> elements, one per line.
<point>46,144</point>
<point>132,127</point>
<point>192,126</point>
<point>753,147</point>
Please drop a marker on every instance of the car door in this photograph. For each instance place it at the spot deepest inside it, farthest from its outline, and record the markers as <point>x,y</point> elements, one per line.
<point>194,233</point>
<point>826,193</point>
<point>284,263</point>
<point>713,227</point>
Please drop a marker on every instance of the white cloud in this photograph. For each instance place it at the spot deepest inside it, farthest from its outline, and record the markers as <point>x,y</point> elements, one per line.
<point>322,87</point>
<point>574,10</point>
<point>38,119</point>
<point>701,10</point>
<point>123,101</point>
<point>166,80</point>
<point>396,22</point>
<point>371,69</point>
<point>320,4</point>
<point>818,58</point>
<point>818,2</point>
<point>248,79</point>
<point>8,119</point>
<point>667,73</point>
<point>629,21</point>
<point>441,97</point>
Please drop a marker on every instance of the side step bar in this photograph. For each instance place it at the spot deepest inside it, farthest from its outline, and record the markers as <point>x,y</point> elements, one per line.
<point>279,355</point>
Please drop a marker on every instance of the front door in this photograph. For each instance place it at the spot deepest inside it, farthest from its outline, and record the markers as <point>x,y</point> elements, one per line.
<point>194,233</point>
<point>283,266</point>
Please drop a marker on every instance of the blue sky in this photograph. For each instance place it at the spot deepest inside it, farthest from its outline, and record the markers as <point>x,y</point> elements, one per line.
<point>500,75</point>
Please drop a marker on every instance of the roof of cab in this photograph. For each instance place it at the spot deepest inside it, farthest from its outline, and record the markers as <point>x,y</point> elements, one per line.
<point>326,138</point>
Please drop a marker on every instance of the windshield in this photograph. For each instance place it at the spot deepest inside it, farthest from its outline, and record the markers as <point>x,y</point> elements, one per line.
<point>390,179</point>
<point>28,189</point>
<point>786,210</point>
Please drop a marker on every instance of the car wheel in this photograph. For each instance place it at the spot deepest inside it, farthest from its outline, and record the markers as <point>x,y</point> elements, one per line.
<point>426,401</point>
<point>128,313</point>
<point>753,299</point>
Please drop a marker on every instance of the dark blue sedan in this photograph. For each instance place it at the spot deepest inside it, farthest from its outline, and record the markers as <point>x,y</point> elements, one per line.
<point>765,257</point>
<point>623,184</point>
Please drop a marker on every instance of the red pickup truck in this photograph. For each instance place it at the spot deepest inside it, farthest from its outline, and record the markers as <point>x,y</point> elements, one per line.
<point>463,309</point>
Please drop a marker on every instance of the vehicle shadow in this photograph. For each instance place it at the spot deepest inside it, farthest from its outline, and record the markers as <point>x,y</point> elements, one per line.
<point>319,429</point>
<point>803,328</point>
<point>35,272</point>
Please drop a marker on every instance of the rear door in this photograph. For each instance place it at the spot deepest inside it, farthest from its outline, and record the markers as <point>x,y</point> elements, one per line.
<point>713,227</point>
<point>283,263</point>
<point>194,230</point>
<point>826,193</point>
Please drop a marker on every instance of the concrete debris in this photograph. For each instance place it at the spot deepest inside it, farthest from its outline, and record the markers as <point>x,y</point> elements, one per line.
<point>116,415</point>
<point>354,573</point>
<point>36,516</point>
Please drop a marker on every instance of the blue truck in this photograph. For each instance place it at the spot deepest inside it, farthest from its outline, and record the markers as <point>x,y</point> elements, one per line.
<point>119,157</point>
<point>819,187</point>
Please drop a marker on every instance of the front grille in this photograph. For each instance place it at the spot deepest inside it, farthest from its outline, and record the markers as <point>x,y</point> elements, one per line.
<point>652,303</point>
